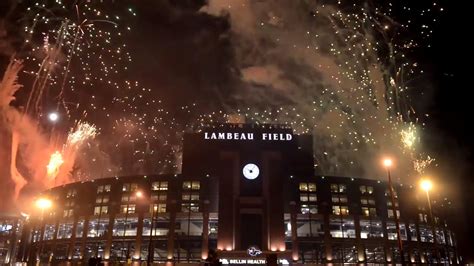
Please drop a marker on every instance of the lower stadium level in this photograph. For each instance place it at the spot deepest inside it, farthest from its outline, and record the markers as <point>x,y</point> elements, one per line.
<point>248,193</point>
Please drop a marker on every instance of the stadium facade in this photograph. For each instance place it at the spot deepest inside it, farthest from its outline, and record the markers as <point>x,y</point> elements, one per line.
<point>247,192</point>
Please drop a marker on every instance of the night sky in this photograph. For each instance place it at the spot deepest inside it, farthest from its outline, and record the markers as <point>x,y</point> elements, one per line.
<point>191,64</point>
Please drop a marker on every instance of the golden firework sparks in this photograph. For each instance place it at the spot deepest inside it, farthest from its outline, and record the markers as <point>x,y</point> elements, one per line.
<point>54,164</point>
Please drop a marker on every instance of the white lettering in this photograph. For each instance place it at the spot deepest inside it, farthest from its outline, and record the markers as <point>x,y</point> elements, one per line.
<point>221,135</point>
<point>229,135</point>
<point>206,136</point>
<point>264,136</point>
<point>213,136</point>
<point>250,136</point>
<point>289,136</point>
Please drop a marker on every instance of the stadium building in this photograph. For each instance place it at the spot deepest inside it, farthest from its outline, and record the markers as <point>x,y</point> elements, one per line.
<point>247,192</point>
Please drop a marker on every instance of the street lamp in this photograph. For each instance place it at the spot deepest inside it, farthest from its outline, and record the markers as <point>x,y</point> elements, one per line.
<point>387,162</point>
<point>427,185</point>
<point>42,204</point>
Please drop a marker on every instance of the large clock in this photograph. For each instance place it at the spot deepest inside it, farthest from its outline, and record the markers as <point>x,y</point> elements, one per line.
<point>250,171</point>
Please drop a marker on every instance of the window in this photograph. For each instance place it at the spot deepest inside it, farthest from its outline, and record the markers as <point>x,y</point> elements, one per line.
<point>339,199</point>
<point>304,197</point>
<point>68,213</point>
<point>367,201</point>
<point>158,208</point>
<point>366,190</point>
<point>310,187</point>
<point>128,197</point>
<point>305,209</point>
<point>130,208</point>
<point>392,231</point>
<point>413,233</point>
<point>423,217</point>
<point>390,213</point>
<point>189,207</point>
<point>159,185</point>
<point>190,196</point>
<point>338,188</point>
<point>342,228</point>
<point>101,210</point>
<point>389,203</point>
<point>131,187</point>
<point>69,203</point>
<point>371,229</point>
<point>161,196</point>
<point>71,193</point>
<point>369,211</point>
<point>340,210</point>
<point>97,228</point>
<point>64,230</point>
<point>191,185</point>
<point>102,199</point>
<point>103,189</point>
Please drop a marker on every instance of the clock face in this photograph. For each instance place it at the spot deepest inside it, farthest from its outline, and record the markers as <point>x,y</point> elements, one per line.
<point>251,171</point>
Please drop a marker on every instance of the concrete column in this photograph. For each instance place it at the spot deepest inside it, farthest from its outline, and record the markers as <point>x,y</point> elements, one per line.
<point>108,237</point>
<point>84,237</point>
<point>294,231</point>
<point>327,238</point>
<point>359,245</point>
<point>73,238</point>
<point>138,241</point>
<point>171,234</point>
<point>205,230</point>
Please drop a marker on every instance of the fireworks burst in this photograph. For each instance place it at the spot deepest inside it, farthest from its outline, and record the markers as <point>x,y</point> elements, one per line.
<point>54,164</point>
<point>340,72</point>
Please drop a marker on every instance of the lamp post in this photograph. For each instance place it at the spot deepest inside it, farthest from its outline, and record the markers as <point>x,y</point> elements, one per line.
<point>388,164</point>
<point>427,185</point>
<point>42,204</point>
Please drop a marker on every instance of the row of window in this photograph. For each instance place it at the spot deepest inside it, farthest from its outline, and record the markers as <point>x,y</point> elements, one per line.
<point>132,187</point>
<point>345,228</point>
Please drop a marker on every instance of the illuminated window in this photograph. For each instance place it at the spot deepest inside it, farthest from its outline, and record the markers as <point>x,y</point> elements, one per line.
<point>104,188</point>
<point>158,208</point>
<point>338,188</point>
<point>310,187</point>
<point>102,199</point>
<point>68,213</point>
<point>339,199</point>
<point>191,185</point>
<point>340,210</point>
<point>369,212</point>
<point>190,196</point>
<point>189,207</point>
<point>366,190</point>
<point>159,185</point>
<point>305,209</point>
<point>389,203</point>
<point>423,217</point>
<point>367,201</point>
<point>131,187</point>
<point>159,196</point>
<point>128,197</point>
<point>130,208</point>
<point>71,193</point>
<point>390,213</point>
<point>303,186</point>
<point>69,203</point>
<point>304,197</point>
<point>101,210</point>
